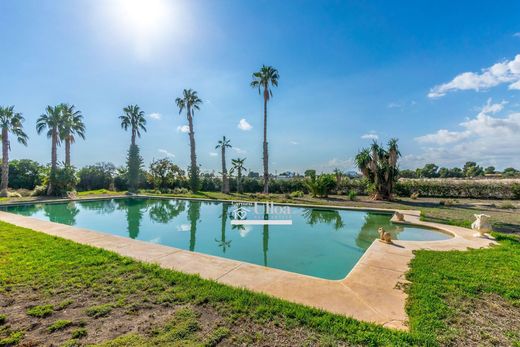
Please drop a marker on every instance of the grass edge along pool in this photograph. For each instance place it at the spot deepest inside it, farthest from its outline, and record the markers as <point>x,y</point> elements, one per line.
<point>320,241</point>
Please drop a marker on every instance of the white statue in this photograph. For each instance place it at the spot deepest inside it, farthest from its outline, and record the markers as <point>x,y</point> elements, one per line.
<point>481,224</point>
<point>399,216</point>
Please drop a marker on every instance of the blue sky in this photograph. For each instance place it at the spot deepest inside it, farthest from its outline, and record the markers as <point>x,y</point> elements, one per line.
<point>441,76</point>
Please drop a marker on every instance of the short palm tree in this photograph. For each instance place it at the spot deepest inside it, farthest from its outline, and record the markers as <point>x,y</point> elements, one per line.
<point>11,122</point>
<point>52,121</point>
<point>238,167</point>
<point>263,79</point>
<point>379,166</point>
<point>134,119</point>
<point>191,102</point>
<point>223,144</point>
<point>72,126</point>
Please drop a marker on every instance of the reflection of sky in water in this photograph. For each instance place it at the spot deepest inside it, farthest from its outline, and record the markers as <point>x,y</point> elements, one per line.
<point>321,242</point>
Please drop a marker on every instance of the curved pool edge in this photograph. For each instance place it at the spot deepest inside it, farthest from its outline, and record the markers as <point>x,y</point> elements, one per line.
<point>370,291</point>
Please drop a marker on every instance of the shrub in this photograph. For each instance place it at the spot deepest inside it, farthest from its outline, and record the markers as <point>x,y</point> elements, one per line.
<point>181,191</point>
<point>457,188</point>
<point>25,173</point>
<point>515,190</point>
<point>321,186</point>
<point>64,180</point>
<point>98,176</point>
<point>79,333</point>
<point>297,194</point>
<point>59,325</point>
<point>99,311</point>
<point>40,311</point>
<point>352,195</point>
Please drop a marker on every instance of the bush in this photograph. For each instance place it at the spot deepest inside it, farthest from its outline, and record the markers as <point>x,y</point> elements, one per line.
<point>321,186</point>
<point>352,195</point>
<point>40,311</point>
<point>98,176</point>
<point>59,325</point>
<point>25,174</point>
<point>454,188</point>
<point>39,191</point>
<point>297,194</point>
<point>63,180</point>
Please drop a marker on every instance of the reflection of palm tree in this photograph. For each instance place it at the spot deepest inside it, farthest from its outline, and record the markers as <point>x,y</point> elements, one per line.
<point>374,221</point>
<point>163,211</point>
<point>62,213</point>
<point>316,215</point>
<point>193,217</point>
<point>223,217</point>
<point>133,217</point>
<point>265,236</point>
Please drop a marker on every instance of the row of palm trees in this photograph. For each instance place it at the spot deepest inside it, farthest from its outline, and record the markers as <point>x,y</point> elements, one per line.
<point>63,123</point>
<point>263,80</point>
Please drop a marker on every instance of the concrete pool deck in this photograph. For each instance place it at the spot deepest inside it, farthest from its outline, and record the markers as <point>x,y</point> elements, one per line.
<point>371,292</point>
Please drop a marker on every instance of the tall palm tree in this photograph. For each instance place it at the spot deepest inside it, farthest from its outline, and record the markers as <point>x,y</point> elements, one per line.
<point>263,79</point>
<point>191,102</point>
<point>238,166</point>
<point>134,119</point>
<point>223,144</point>
<point>11,122</point>
<point>52,121</point>
<point>72,125</point>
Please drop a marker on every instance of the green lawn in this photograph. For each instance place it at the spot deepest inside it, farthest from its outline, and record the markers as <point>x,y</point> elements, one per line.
<point>55,290</point>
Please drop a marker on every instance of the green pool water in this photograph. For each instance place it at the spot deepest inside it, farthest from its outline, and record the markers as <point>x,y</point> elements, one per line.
<point>324,243</point>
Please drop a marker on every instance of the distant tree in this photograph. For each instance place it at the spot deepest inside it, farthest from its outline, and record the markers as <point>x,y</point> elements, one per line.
<point>97,176</point>
<point>263,80</point>
<point>25,173</point>
<point>322,185</point>
<point>223,144</point>
<point>310,173</point>
<point>191,102</point>
<point>379,166</point>
<point>490,170</point>
<point>456,172</point>
<point>407,173</point>
<point>253,174</point>
<point>471,169</point>
<point>11,123</point>
<point>444,172</point>
<point>238,167</point>
<point>510,172</point>
<point>163,173</point>
<point>71,126</point>
<point>52,121</point>
<point>429,171</point>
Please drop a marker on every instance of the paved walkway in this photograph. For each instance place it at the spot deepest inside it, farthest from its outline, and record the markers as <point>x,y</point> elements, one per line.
<point>370,292</point>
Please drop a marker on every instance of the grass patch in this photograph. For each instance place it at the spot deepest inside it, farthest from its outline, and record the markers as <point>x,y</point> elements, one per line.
<point>59,325</point>
<point>3,319</point>
<point>79,333</point>
<point>99,192</point>
<point>99,311</point>
<point>56,269</point>
<point>449,285</point>
<point>12,338</point>
<point>40,311</point>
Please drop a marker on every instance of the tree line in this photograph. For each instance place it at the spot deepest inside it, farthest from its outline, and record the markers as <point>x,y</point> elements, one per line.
<point>63,123</point>
<point>470,170</point>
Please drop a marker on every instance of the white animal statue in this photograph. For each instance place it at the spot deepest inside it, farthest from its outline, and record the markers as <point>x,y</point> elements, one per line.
<point>481,224</point>
<point>399,216</point>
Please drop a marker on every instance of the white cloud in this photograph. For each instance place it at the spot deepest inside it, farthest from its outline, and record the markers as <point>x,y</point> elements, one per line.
<point>516,34</point>
<point>370,136</point>
<point>213,154</point>
<point>155,116</point>
<point>183,129</point>
<point>239,150</point>
<point>165,152</point>
<point>486,139</point>
<point>507,71</point>
<point>244,125</point>
<point>394,105</point>
<point>294,143</point>
<point>184,227</point>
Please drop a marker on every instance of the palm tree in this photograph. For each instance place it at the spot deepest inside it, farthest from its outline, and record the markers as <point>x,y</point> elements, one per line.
<point>191,102</point>
<point>379,166</point>
<point>262,80</point>
<point>52,121</point>
<point>238,166</point>
<point>133,118</point>
<point>72,125</point>
<point>223,144</point>
<point>11,122</point>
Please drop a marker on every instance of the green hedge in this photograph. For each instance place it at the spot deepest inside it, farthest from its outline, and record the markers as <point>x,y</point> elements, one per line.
<point>488,189</point>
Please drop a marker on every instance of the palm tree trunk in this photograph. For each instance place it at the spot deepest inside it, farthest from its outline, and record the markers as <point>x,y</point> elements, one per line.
<point>67,151</point>
<point>266,155</point>
<point>54,159</point>
<point>225,182</point>
<point>239,181</point>
<point>193,156</point>
<point>133,136</point>
<point>5,162</point>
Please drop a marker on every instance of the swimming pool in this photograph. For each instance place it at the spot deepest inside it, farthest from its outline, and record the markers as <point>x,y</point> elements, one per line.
<point>320,242</point>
